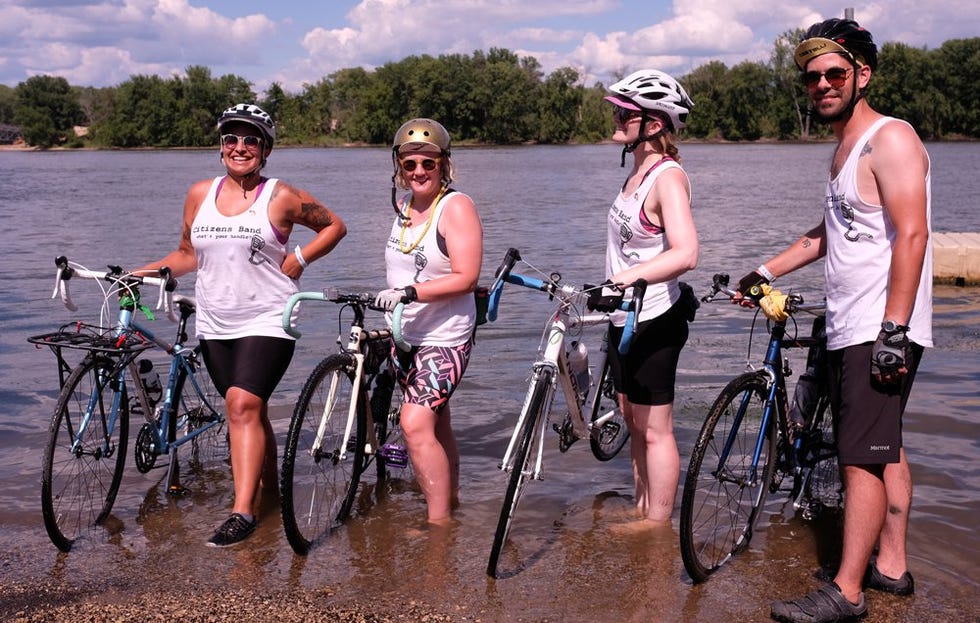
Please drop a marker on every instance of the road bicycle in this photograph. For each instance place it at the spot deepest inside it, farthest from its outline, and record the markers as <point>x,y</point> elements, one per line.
<point>593,408</point>
<point>85,454</point>
<point>755,442</point>
<point>346,418</point>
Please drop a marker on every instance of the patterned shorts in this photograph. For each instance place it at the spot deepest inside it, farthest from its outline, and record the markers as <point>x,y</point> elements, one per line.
<point>428,375</point>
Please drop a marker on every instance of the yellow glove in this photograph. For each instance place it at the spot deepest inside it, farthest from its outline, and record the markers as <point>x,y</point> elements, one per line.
<point>773,303</point>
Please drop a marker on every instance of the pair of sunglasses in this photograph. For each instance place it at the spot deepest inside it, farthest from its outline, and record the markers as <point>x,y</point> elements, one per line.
<point>428,164</point>
<point>231,141</point>
<point>623,115</point>
<point>836,77</point>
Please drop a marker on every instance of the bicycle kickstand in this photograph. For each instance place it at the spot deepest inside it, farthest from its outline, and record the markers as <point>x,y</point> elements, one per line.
<point>174,487</point>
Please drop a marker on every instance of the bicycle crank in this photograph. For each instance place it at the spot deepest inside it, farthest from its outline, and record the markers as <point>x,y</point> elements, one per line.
<point>147,441</point>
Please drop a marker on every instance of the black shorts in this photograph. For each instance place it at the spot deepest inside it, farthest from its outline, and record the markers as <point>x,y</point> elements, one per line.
<point>646,374</point>
<point>867,415</point>
<point>255,363</point>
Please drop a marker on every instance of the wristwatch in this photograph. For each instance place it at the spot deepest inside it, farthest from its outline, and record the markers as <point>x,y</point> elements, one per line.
<point>890,326</point>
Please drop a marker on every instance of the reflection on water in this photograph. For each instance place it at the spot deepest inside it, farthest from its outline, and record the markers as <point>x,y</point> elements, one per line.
<point>570,560</point>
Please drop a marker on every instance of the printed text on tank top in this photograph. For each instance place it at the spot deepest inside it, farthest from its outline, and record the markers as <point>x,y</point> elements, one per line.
<point>645,221</point>
<point>258,193</point>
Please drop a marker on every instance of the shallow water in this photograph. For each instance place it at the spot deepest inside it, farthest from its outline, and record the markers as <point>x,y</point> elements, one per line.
<point>572,561</point>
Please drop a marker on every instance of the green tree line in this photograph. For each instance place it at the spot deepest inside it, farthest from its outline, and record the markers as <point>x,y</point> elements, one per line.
<point>493,97</point>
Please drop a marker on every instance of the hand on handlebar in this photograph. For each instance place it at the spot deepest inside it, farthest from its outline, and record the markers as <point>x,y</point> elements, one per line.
<point>604,298</point>
<point>387,300</point>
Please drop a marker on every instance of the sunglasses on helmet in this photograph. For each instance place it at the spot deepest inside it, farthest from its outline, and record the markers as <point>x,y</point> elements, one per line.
<point>836,77</point>
<point>428,164</point>
<point>231,141</point>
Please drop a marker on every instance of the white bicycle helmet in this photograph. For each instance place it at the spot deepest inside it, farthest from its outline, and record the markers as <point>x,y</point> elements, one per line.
<point>252,115</point>
<point>653,90</point>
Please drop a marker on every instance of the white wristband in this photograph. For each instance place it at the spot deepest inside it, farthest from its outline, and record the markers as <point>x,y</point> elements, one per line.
<point>762,270</point>
<point>300,258</point>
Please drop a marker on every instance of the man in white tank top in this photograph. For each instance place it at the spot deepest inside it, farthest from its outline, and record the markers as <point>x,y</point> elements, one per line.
<point>875,237</point>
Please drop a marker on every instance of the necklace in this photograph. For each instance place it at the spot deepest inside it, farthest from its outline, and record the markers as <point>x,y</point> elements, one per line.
<point>428,223</point>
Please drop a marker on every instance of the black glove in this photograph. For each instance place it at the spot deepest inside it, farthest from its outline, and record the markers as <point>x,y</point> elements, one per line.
<point>889,353</point>
<point>749,281</point>
<point>604,298</point>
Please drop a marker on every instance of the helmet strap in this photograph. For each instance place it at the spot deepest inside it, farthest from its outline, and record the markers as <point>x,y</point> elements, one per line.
<point>628,149</point>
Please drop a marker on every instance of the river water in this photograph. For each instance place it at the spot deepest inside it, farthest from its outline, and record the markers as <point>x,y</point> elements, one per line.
<point>572,561</point>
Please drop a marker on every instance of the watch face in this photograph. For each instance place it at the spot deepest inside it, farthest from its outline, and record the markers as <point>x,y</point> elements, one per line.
<point>891,326</point>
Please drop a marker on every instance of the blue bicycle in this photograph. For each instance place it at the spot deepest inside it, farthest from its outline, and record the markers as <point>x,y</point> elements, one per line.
<point>85,455</point>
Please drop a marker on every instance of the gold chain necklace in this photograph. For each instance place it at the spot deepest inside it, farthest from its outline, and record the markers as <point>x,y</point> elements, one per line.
<point>428,222</point>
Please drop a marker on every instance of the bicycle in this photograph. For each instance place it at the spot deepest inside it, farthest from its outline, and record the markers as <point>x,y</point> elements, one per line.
<point>752,440</point>
<point>592,414</point>
<point>84,458</point>
<point>331,443</point>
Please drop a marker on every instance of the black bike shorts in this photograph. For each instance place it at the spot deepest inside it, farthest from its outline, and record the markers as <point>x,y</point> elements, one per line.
<point>254,363</point>
<point>646,374</point>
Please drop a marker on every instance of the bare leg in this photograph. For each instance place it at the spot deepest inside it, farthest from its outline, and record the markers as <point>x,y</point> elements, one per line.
<point>892,560</point>
<point>656,462</point>
<point>430,460</point>
<point>249,433</point>
<point>864,516</point>
<point>447,438</point>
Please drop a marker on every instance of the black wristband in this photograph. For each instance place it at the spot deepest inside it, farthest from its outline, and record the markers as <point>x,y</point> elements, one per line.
<point>410,294</point>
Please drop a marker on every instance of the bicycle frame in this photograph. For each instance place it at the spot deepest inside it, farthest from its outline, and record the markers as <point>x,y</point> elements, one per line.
<point>775,369</point>
<point>553,355</point>
<point>164,415</point>
<point>355,347</point>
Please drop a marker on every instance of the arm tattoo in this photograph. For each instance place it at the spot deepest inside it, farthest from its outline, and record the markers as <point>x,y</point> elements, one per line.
<point>316,214</point>
<point>806,242</point>
<point>865,151</point>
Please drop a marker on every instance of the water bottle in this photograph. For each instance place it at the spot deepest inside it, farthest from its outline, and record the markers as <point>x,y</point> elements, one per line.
<point>151,381</point>
<point>578,365</point>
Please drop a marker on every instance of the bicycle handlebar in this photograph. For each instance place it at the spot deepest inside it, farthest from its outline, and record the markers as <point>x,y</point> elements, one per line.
<point>359,300</point>
<point>568,294</point>
<point>794,302</point>
<point>165,283</point>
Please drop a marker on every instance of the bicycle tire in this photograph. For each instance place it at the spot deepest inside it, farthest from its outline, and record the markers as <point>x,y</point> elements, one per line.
<point>79,486</point>
<point>318,487</point>
<point>536,406</point>
<point>201,407</point>
<point>718,514</point>
<point>820,476</point>
<point>609,438</point>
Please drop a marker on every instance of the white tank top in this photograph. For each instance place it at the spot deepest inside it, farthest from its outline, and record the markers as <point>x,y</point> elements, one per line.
<point>859,253</point>
<point>447,322</point>
<point>629,242</point>
<point>241,289</point>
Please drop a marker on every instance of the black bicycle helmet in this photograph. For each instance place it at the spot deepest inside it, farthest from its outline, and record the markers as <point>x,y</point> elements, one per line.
<point>841,36</point>
<point>252,115</point>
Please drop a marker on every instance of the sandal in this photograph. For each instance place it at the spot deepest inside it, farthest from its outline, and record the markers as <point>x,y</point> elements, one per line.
<point>825,605</point>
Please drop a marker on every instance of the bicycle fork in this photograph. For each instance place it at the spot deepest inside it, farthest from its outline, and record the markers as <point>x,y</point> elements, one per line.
<point>506,463</point>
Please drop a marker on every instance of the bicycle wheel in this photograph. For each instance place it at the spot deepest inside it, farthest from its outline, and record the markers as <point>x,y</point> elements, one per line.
<point>201,408</point>
<point>522,464</point>
<point>724,490</point>
<point>609,437</point>
<point>85,454</point>
<point>819,479</point>
<point>317,483</point>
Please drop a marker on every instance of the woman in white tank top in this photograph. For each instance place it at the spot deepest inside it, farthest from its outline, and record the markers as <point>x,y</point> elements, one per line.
<point>433,257</point>
<point>235,233</point>
<point>651,236</point>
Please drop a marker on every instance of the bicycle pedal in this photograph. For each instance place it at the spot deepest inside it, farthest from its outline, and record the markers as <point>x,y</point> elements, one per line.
<point>177,490</point>
<point>394,455</point>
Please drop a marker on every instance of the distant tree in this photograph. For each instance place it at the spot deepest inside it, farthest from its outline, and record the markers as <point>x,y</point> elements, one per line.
<point>46,109</point>
<point>920,102</point>
<point>558,106</point>
<point>145,113</point>
<point>594,121</point>
<point>789,105</point>
<point>8,102</point>
<point>958,79</point>
<point>706,85</point>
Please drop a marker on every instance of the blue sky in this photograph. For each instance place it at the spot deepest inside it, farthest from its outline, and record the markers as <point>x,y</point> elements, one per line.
<point>104,42</point>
